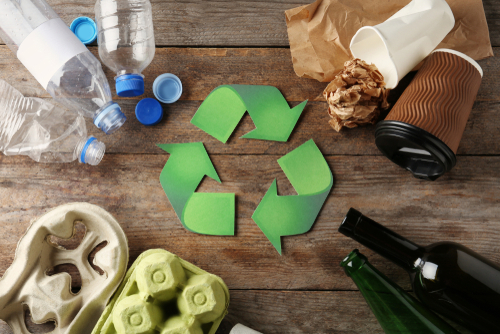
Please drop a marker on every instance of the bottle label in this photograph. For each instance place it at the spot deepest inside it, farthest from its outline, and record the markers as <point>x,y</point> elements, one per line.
<point>48,48</point>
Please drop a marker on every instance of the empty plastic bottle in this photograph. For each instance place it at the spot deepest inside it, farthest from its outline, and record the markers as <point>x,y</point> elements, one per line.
<point>126,41</point>
<point>45,133</point>
<point>59,61</point>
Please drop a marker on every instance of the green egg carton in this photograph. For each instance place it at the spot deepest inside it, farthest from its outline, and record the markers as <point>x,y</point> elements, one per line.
<point>161,293</point>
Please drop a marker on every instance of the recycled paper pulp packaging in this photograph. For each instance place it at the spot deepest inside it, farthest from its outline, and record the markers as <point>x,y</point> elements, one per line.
<point>320,33</point>
<point>49,298</point>
<point>240,329</point>
<point>162,293</point>
<point>405,39</point>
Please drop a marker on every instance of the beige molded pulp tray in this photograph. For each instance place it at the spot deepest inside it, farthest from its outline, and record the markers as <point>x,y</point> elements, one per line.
<point>49,298</point>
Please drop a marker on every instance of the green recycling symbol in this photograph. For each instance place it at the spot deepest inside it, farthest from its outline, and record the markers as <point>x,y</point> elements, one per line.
<point>214,213</point>
<point>224,107</point>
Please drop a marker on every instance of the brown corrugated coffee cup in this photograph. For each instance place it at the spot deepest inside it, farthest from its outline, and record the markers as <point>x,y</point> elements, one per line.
<point>423,130</point>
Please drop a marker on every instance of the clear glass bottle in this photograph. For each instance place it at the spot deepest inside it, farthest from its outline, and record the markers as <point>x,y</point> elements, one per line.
<point>395,309</point>
<point>447,277</point>
<point>126,41</point>
<point>59,61</point>
<point>45,133</point>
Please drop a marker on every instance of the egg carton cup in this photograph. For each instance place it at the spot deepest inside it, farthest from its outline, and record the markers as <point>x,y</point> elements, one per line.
<point>162,293</point>
<point>49,298</point>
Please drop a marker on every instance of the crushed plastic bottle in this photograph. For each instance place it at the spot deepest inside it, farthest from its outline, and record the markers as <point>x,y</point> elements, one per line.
<point>126,41</point>
<point>59,61</point>
<point>44,132</point>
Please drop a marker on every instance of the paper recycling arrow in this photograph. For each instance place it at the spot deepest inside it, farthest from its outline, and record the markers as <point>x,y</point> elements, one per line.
<point>310,175</point>
<point>205,213</point>
<point>224,107</point>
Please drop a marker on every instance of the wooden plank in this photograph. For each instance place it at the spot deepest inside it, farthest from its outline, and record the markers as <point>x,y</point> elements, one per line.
<point>462,206</point>
<point>290,312</point>
<point>201,70</point>
<point>493,18</point>
<point>302,312</point>
<point>293,312</point>
<point>227,22</point>
<point>480,136</point>
<point>204,69</point>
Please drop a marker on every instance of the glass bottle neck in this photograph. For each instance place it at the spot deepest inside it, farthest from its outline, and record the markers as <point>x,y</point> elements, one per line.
<point>381,240</point>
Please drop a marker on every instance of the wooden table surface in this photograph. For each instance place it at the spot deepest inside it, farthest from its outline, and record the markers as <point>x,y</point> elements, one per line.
<point>209,43</point>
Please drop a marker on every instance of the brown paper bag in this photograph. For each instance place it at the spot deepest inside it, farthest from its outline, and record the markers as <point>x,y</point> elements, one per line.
<point>320,33</point>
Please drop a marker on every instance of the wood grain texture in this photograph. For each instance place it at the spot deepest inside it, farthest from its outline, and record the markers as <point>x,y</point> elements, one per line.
<point>492,11</point>
<point>318,312</point>
<point>201,70</point>
<point>315,312</point>
<point>462,206</point>
<point>305,290</point>
<point>480,136</point>
<point>307,312</point>
<point>227,22</point>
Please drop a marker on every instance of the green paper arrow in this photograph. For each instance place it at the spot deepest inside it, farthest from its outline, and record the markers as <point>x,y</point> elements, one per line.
<point>311,177</point>
<point>204,213</point>
<point>224,107</point>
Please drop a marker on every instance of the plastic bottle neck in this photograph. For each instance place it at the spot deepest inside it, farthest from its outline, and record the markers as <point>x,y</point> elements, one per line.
<point>90,151</point>
<point>129,72</point>
<point>109,118</point>
<point>380,239</point>
<point>129,84</point>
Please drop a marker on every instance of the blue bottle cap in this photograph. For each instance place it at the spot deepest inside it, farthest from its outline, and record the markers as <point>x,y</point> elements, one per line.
<point>128,85</point>
<point>149,111</point>
<point>85,29</point>
<point>167,88</point>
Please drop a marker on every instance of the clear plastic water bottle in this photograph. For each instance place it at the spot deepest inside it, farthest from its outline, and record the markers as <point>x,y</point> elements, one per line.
<point>126,41</point>
<point>59,60</point>
<point>45,133</point>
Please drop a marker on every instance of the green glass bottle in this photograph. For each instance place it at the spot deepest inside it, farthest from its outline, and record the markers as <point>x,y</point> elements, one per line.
<point>396,310</point>
<point>447,277</point>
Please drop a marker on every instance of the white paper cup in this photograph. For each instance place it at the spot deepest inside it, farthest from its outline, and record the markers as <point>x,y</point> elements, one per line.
<point>397,45</point>
<point>240,329</point>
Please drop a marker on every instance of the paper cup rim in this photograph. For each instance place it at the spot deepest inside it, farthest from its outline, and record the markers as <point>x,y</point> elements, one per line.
<point>464,56</point>
<point>382,38</point>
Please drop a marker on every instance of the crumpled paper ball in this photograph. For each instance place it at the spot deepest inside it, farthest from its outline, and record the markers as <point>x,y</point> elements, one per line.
<point>356,95</point>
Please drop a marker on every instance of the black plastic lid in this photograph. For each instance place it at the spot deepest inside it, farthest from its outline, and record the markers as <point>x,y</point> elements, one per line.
<point>414,149</point>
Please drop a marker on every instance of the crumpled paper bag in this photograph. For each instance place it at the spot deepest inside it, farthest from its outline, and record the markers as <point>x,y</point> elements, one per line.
<point>320,33</point>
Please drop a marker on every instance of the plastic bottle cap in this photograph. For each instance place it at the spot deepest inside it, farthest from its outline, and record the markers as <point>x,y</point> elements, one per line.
<point>109,118</point>
<point>149,111</point>
<point>85,29</point>
<point>129,85</point>
<point>167,88</point>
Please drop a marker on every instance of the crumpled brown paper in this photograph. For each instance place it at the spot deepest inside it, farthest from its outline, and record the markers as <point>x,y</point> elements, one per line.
<point>356,95</point>
<point>320,33</point>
